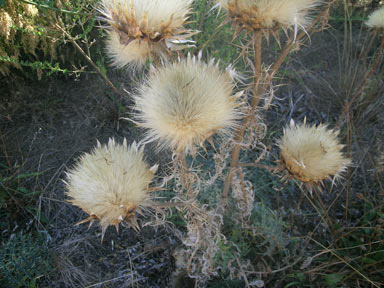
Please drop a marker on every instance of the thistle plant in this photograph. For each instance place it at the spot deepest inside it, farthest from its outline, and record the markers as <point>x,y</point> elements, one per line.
<point>111,184</point>
<point>265,24</point>
<point>183,103</point>
<point>312,154</point>
<point>186,102</point>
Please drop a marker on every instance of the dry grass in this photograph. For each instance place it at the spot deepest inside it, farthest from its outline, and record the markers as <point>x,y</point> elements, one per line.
<point>46,129</point>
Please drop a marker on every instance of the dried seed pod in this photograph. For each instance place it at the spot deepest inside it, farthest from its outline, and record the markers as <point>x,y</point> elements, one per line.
<point>269,14</point>
<point>376,19</point>
<point>311,154</point>
<point>142,29</point>
<point>184,103</point>
<point>111,184</point>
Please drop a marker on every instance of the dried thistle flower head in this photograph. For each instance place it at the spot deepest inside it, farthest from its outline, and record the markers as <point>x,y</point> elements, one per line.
<point>184,103</point>
<point>312,154</point>
<point>142,29</point>
<point>376,19</point>
<point>267,14</point>
<point>111,184</point>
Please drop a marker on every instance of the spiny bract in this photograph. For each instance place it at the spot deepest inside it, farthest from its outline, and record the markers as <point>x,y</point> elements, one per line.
<point>267,14</point>
<point>312,154</point>
<point>184,103</point>
<point>111,184</point>
<point>142,29</point>
<point>376,19</point>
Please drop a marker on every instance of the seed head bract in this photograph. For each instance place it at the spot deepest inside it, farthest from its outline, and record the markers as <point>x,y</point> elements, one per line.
<point>267,14</point>
<point>376,19</point>
<point>139,30</point>
<point>111,184</point>
<point>312,154</point>
<point>185,102</point>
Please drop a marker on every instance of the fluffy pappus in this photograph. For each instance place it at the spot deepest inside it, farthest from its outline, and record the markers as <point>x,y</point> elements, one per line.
<point>139,30</point>
<point>376,19</point>
<point>184,103</point>
<point>111,184</point>
<point>312,154</point>
<point>268,14</point>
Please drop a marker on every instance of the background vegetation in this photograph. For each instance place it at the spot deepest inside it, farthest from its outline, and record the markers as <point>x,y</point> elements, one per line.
<point>58,96</point>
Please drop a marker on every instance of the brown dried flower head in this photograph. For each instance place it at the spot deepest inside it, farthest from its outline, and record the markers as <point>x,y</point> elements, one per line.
<point>111,184</point>
<point>184,103</point>
<point>376,19</point>
<point>312,154</point>
<point>142,29</point>
<point>268,14</point>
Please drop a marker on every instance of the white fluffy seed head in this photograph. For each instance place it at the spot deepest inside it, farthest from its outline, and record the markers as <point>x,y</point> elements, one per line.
<point>184,103</point>
<point>267,14</point>
<point>312,154</point>
<point>110,183</point>
<point>376,19</point>
<point>142,29</point>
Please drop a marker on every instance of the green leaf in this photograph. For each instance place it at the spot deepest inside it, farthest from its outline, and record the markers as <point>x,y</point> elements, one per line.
<point>292,284</point>
<point>1,164</point>
<point>367,260</point>
<point>28,175</point>
<point>370,215</point>
<point>333,279</point>
<point>2,3</point>
<point>23,190</point>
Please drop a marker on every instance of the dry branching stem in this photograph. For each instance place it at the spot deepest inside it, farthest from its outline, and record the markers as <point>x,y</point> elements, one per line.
<point>262,87</point>
<point>257,165</point>
<point>257,45</point>
<point>90,61</point>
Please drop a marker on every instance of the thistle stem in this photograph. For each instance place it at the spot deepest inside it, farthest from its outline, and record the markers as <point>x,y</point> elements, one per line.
<point>257,165</point>
<point>102,74</point>
<point>184,171</point>
<point>257,44</point>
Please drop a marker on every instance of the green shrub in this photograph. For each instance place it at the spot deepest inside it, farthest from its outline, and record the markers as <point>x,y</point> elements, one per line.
<point>23,260</point>
<point>31,41</point>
